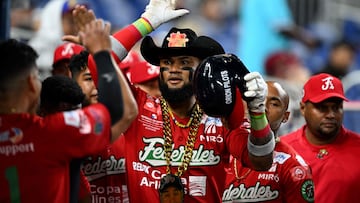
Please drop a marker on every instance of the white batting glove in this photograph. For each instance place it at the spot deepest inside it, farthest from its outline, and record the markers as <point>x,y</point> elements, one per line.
<point>256,89</point>
<point>158,12</point>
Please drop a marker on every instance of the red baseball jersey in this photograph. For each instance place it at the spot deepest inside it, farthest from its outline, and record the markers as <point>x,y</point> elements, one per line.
<point>35,152</point>
<point>106,174</point>
<point>145,162</point>
<point>288,180</point>
<point>335,166</point>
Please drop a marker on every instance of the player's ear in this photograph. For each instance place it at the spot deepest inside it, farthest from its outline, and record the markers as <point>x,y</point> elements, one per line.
<point>286,117</point>
<point>33,81</point>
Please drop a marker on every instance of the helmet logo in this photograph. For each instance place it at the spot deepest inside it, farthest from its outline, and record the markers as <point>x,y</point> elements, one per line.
<point>227,88</point>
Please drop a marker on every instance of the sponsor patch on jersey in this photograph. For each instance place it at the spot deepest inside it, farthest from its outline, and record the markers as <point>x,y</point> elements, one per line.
<point>298,173</point>
<point>16,135</point>
<point>307,190</point>
<point>98,126</point>
<point>72,118</point>
<point>281,157</point>
<point>197,186</point>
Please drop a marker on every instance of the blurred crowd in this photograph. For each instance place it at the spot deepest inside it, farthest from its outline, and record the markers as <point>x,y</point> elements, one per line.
<point>311,42</point>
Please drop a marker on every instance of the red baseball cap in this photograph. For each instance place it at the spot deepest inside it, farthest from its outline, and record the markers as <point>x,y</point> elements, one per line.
<point>138,69</point>
<point>143,71</point>
<point>280,60</point>
<point>321,87</point>
<point>66,51</point>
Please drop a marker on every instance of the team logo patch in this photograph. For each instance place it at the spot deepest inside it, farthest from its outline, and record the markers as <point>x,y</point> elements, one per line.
<point>307,190</point>
<point>98,128</point>
<point>177,39</point>
<point>298,173</point>
<point>98,125</point>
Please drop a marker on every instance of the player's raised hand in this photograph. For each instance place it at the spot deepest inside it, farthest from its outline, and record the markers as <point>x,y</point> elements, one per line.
<point>81,16</point>
<point>256,92</point>
<point>158,12</point>
<point>96,36</point>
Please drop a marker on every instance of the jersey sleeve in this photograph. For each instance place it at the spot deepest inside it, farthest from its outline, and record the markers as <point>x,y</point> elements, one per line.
<point>236,142</point>
<point>297,185</point>
<point>81,132</point>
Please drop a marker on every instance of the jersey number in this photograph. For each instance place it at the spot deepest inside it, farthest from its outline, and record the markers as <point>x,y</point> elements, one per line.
<point>12,177</point>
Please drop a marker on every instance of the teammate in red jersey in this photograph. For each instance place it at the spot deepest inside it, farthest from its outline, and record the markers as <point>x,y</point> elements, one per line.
<point>105,170</point>
<point>61,93</point>
<point>35,152</point>
<point>62,55</point>
<point>288,180</point>
<point>331,150</point>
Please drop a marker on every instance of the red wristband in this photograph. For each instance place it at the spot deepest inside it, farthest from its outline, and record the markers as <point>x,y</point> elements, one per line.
<point>261,133</point>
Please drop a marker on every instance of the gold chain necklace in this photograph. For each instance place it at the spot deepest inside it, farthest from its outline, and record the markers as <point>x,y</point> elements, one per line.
<point>178,123</point>
<point>237,173</point>
<point>195,119</point>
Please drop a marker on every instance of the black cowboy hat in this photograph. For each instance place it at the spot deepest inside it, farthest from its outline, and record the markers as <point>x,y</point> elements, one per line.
<point>179,42</point>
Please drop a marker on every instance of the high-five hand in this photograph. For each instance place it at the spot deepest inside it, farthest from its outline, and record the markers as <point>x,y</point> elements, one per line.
<point>158,12</point>
<point>81,16</point>
<point>96,36</point>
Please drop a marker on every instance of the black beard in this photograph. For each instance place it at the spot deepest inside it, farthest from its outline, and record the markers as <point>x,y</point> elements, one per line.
<point>176,96</point>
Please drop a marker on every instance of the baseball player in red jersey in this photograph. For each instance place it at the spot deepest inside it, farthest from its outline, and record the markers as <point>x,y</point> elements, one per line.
<point>288,180</point>
<point>35,152</point>
<point>106,170</point>
<point>331,150</point>
<point>61,93</point>
<point>62,55</point>
<point>176,123</point>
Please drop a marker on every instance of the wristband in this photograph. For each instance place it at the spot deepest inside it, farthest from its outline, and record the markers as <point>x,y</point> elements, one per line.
<point>258,121</point>
<point>261,150</point>
<point>260,133</point>
<point>143,26</point>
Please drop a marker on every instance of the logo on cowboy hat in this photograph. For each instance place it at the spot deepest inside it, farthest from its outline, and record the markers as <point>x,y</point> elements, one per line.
<point>180,42</point>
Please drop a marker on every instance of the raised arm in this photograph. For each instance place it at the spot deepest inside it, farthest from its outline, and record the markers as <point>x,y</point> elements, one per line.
<point>156,13</point>
<point>261,141</point>
<point>114,91</point>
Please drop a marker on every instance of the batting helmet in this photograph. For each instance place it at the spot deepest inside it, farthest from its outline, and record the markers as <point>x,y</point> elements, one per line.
<point>215,82</point>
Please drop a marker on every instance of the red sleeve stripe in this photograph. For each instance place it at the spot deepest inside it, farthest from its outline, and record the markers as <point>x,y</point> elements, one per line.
<point>128,36</point>
<point>261,133</point>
